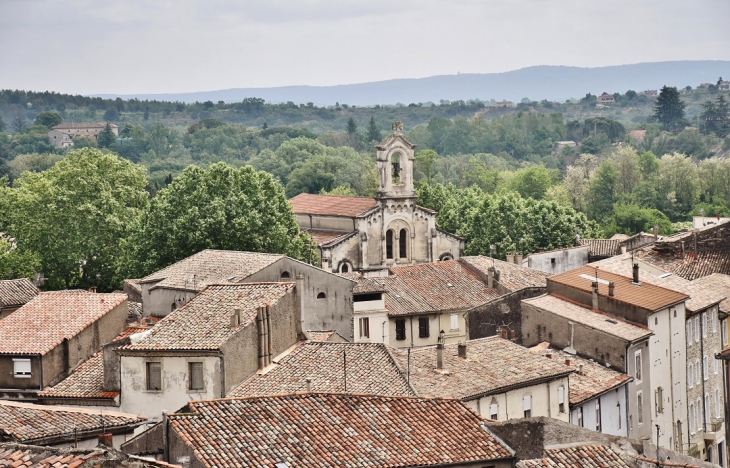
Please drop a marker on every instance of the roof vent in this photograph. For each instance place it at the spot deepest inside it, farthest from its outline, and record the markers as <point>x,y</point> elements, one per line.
<point>449,285</point>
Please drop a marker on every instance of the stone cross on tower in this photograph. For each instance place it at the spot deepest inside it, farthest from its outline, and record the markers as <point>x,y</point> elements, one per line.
<point>397,128</point>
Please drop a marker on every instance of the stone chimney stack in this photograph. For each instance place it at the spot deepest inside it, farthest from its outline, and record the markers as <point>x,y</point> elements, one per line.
<point>594,287</point>
<point>462,350</point>
<point>440,356</point>
<point>490,277</point>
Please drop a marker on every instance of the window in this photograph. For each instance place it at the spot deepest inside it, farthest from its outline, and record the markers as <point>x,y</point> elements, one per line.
<point>704,324</point>
<point>402,244</point>
<point>423,327</point>
<point>716,365</point>
<point>618,416</point>
<point>196,376</point>
<point>285,275</point>
<point>658,401</point>
<point>723,332</point>
<point>494,410</point>
<point>697,372</point>
<point>689,332</point>
<point>580,416</point>
<point>364,323</point>
<point>389,244</point>
<point>527,405</point>
<point>691,418</point>
<point>552,261</point>
<point>697,329</point>
<point>454,322</point>
<point>718,413</point>
<point>321,296</point>
<point>21,368</point>
<point>698,414</point>
<point>598,415</point>
<point>690,379</point>
<point>344,268</point>
<point>714,320</point>
<point>154,376</point>
<point>637,369</point>
<point>640,407</point>
<point>705,373</point>
<point>400,329</point>
<point>708,413</point>
<point>561,399</point>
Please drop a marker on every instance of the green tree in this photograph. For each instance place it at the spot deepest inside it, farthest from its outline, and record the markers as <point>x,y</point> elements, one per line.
<point>146,113</point>
<point>48,119</point>
<point>2,124</point>
<point>602,190</point>
<point>215,208</point>
<point>632,219</point>
<point>533,182</point>
<point>425,164</point>
<point>106,137</point>
<point>373,132</point>
<point>351,126</point>
<point>16,263</point>
<point>111,114</point>
<point>669,109</point>
<point>84,142</point>
<point>75,214</point>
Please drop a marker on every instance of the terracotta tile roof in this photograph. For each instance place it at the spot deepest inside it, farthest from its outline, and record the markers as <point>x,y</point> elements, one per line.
<point>28,423</point>
<point>16,292</point>
<point>135,309</point>
<point>330,205</point>
<point>365,285</point>
<point>646,296</point>
<point>31,456</point>
<point>511,276</point>
<point>582,456</point>
<point>328,430</point>
<point>328,238</point>
<point>595,379</point>
<point>211,267</point>
<point>447,285</point>
<point>691,266</point>
<point>82,125</point>
<point>133,284</point>
<point>492,365</point>
<point>43,323</point>
<point>602,247</point>
<point>321,335</point>
<point>371,370</point>
<point>204,322</point>
<point>579,313</point>
<point>718,283</point>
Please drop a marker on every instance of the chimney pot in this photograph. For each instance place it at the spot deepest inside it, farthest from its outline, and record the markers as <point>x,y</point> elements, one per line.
<point>594,287</point>
<point>567,362</point>
<point>549,355</point>
<point>309,384</point>
<point>513,335</point>
<point>611,288</point>
<point>440,356</point>
<point>106,440</point>
<point>236,317</point>
<point>636,273</point>
<point>580,369</point>
<point>462,350</point>
<point>490,277</point>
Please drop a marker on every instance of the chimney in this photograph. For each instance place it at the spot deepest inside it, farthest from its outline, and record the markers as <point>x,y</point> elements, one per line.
<point>462,350</point>
<point>518,260</point>
<point>299,306</point>
<point>623,249</point>
<point>309,384</point>
<point>513,335</point>
<point>510,258</point>
<point>490,277</point>
<point>611,288</point>
<point>656,232</point>
<point>594,287</point>
<point>636,273</point>
<point>567,361</point>
<point>440,356</point>
<point>326,264</point>
<point>106,440</point>
<point>580,369</point>
<point>549,354</point>
<point>92,289</point>
<point>570,349</point>
<point>236,317</point>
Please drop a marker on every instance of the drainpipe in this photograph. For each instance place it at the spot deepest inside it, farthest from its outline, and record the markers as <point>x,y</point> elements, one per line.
<point>40,366</point>
<point>411,320</point>
<point>165,438</point>
<point>671,364</point>
<point>223,374</point>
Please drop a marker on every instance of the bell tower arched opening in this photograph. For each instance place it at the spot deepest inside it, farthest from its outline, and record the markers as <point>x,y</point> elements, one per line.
<point>403,244</point>
<point>389,244</point>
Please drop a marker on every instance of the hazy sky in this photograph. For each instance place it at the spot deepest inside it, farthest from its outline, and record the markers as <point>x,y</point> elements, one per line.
<point>137,46</point>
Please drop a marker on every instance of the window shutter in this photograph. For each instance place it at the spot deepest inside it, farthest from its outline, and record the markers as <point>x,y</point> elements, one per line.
<point>154,376</point>
<point>21,367</point>
<point>196,376</point>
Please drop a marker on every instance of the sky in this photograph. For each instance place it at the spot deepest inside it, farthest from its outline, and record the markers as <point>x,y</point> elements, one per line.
<point>139,46</point>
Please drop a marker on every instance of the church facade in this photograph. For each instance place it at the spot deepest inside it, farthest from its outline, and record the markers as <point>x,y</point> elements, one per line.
<point>374,234</point>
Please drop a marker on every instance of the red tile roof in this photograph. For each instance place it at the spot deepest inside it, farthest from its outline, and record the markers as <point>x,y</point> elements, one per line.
<point>327,238</point>
<point>16,292</point>
<point>602,247</point>
<point>82,125</point>
<point>328,430</point>
<point>204,322</point>
<point>17,455</point>
<point>691,266</point>
<point>330,205</point>
<point>323,335</point>
<point>447,285</point>
<point>646,296</point>
<point>511,276</point>
<point>492,365</point>
<point>582,456</point>
<point>43,323</point>
<point>210,267</point>
<point>365,285</point>
<point>719,284</point>
<point>28,423</point>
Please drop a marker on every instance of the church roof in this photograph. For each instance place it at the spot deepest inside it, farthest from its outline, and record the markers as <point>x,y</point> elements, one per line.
<point>331,205</point>
<point>327,237</point>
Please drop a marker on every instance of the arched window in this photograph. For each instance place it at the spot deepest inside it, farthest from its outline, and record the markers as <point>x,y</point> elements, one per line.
<point>389,244</point>
<point>395,168</point>
<point>344,268</point>
<point>402,244</point>
<point>285,275</point>
<point>321,296</point>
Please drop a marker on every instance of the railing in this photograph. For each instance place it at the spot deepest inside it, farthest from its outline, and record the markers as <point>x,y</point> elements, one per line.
<point>715,425</point>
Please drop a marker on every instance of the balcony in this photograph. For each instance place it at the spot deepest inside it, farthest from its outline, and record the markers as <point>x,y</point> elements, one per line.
<point>713,428</point>
<point>692,450</point>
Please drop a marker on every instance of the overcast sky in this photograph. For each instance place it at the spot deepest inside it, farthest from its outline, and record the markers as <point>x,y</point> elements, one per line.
<point>138,46</point>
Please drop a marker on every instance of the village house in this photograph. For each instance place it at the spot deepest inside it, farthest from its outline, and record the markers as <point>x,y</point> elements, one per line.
<point>45,339</point>
<point>327,429</point>
<point>606,98</point>
<point>559,260</point>
<point>63,134</point>
<point>374,234</point>
<point>499,379</point>
<point>14,294</point>
<point>601,249</point>
<point>56,426</point>
<point>327,298</point>
<point>359,368</point>
<point>208,346</point>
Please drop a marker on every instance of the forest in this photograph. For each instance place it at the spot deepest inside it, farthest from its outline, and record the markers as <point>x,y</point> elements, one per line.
<point>526,178</point>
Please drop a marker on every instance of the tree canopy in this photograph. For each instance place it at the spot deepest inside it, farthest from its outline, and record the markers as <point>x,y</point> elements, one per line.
<point>669,109</point>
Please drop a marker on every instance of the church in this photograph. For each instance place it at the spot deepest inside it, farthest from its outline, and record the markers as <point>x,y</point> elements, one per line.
<point>373,234</point>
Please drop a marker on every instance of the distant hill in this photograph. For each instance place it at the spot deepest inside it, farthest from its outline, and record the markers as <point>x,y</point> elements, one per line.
<point>555,83</point>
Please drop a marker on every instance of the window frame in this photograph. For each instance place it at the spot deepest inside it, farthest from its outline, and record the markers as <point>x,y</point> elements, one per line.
<point>191,380</point>
<point>389,235</point>
<point>690,373</point>
<point>638,366</point>
<point>640,407</point>
<point>453,318</point>
<point>400,331</point>
<point>705,368</point>
<point>704,324</point>
<point>561,399</point>
<point>424,331</point>
<point>494,410</point>
<point>148,369</point>
<point>527,405</point>
<point>598,415</point>
<point>363,323</point>
<point>689,333</point>
<point>403,243</point>
<point>697,329</point>
<point>21,363</point>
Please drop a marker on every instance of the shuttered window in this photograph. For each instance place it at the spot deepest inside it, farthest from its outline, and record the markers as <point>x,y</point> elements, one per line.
<point>154,376</point>
<point>21,368</point>
<point>400,329</point>
<point>423,331</point>
<point>196,376</point>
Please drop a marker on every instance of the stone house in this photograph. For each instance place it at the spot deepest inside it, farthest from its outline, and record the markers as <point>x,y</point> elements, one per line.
<point>63,134</point>
<point>45,339</point>
<point>208,346</point>
<point>606,98</point>
<point>499,379</point>
<point>374,234</point>
<point>14,294</point>
<point>327,298</point>
<point>327,429</point>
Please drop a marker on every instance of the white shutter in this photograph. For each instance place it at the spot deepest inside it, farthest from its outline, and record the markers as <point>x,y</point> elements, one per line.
<point>454,321</point>
<point>527,403</point>
<point>21,368</point>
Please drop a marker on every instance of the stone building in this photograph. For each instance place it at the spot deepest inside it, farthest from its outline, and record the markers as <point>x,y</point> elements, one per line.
<point>373,234</point>
<point>63,134</point>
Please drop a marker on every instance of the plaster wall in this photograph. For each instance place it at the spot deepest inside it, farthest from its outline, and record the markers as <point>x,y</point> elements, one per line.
<point>558,261</point>
<point>612,406</point>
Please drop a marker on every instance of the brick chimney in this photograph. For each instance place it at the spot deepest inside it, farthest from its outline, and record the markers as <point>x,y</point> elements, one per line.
<point>636,273</point>
<point>106,440</point>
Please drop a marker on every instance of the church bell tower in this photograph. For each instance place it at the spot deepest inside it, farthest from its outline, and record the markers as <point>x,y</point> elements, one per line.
<point>395,159</point>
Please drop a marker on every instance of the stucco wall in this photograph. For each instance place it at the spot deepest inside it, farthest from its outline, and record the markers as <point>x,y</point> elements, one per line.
<point>613,412</point>
<point>503,312</point>
<point>436,323</point>
<point>558,261</point>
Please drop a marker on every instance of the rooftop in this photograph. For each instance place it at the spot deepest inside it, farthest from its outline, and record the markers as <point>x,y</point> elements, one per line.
<point>326,238</point>
<point>17,455</point>
<point>646,296</point>
<point>365,285</point>
<point>719,284</point>
<point>588,456</point>
<point>602,247</point>
<point>210,267</point>
<point>691,266</point>
<point>324,335</point>
<point>315,430</point>
<point>204,322</point>
<point>511,276</point>
<point>44,322</point>
<point>492,365</point>
<point>16,292</point>
<point>584,315</point>
<point>331,205</point>
<point>447,285</point>
<point>29,423</point>
<point>82,125</point>
<point>370,369</point>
